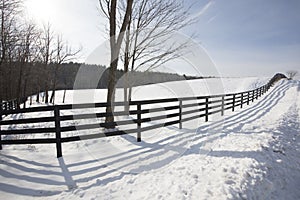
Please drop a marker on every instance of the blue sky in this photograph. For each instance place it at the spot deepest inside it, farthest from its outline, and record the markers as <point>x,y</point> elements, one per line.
<point>251,37</point>
<point>243,38</point>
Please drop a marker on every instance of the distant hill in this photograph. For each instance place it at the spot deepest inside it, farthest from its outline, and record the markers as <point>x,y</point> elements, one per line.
<point>22,81</point>
<point>67,76</point>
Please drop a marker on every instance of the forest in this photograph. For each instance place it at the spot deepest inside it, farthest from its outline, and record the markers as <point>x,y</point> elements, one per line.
<point>25,79</point>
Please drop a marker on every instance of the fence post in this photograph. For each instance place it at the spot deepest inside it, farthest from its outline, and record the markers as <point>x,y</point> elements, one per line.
<point>17,104</point>
<point>139,122</point>
<point>180,114</point>
<point>248,98</point>
<point>260,92</point>
<point>252,98</point>
<point>206,109</point>
<point>222,111</point>
<point>57,131</point>
<point>242,99</point>
<point>256,93</point>
<point>233,103</point>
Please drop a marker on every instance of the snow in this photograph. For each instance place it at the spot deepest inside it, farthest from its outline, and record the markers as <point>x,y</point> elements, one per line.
<point>198,87</point>
<point>252,153</point>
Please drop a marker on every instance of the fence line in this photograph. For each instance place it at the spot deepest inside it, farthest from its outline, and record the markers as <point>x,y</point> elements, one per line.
<point>10,105</point>
<point>182,110</point>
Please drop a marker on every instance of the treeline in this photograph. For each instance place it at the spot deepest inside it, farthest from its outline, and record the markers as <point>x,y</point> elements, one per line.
<point>30,56</point>
<point>36,78</point>
<point>134,78</point>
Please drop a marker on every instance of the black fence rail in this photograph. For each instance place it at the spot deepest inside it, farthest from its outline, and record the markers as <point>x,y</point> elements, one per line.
<point>58,124</point>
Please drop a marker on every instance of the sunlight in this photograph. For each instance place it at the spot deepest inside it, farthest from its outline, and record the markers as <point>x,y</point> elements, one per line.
<point>40,10</point>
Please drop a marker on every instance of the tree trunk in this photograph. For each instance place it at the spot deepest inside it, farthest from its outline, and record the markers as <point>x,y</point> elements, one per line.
<point>52,98</point>
<point>30,100</point>
<point>129,93</point>
<point>38,97</point>
<point>131,81</point>
<point>115,46</point>
<point>126,84</point>
<point>64,96</point>
<point>111,93</point>
<point>38,91</point>
<point>126,66</point>
<point>47,85</point>
<point>20,82</point>
<point>46,94</point>
<point>24,94</point>
<point>126,100</point>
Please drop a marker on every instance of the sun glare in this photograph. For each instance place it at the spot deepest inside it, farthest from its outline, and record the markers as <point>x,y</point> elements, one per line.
<point>41,10</point>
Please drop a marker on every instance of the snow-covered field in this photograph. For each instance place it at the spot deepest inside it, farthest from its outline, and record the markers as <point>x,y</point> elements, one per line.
<point>169,89</point>
<point>252,153</point>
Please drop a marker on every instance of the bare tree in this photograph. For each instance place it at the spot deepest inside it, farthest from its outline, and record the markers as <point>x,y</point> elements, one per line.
<point>110,9</point>
<point>291,74</point>
<point>9,10</point>
<point>63,53</point>
<point>46,52</point>
<point>147,42</point>
<point>27,54</point>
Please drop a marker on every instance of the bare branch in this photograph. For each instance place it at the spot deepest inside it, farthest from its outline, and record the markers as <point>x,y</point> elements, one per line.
<point>291,74</point>
<point>153,22</point>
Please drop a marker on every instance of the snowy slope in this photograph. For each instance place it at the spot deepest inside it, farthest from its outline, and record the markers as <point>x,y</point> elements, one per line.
<point>188,88</point>
<point>253,153</point>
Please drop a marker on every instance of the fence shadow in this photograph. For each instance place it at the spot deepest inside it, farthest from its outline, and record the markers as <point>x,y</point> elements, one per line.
<point>28,174</point>
<point>85,174</point>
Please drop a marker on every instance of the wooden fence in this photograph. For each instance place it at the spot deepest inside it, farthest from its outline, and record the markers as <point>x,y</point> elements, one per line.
<point>175,111</point>
<point>10,105</point>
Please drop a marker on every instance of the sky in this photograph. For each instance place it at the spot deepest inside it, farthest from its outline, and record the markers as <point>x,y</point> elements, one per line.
<point>241,38</point>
